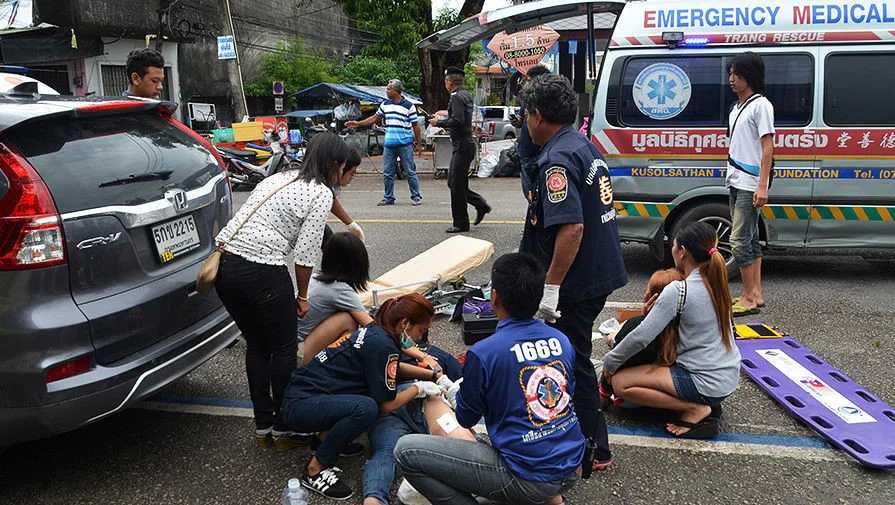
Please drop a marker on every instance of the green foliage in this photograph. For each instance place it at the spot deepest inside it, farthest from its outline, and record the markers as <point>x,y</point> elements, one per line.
<point>376,71</point>
<point>493,99</point>
<point>445,18</point>
<point>399,23</point>
<point>468,77</point>
<point>296,66</point>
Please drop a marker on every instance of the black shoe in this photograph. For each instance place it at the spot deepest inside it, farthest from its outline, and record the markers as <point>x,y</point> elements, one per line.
<point>455,229</point>
<point>480,214</point>
<point>385,202</point>
<point>352,449</point>
<point>328,483</point>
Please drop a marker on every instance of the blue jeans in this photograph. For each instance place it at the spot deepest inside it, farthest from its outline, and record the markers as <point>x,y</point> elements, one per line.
<point>345,416</point>
<point>390,165</point>
<point>744,234</point>
<point>448,471</point>
<point>686,388</point>
<point>384,435</point>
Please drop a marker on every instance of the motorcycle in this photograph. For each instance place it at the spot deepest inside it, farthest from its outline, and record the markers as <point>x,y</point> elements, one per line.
<point>243,173</point>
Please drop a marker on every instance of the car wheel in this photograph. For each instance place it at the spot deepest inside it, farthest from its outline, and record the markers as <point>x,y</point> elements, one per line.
<point>509,136</point>
<point>718,216</point>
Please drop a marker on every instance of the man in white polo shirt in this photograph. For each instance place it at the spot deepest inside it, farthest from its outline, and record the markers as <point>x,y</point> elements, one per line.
<point>402,130</point>
<point>749,164</point>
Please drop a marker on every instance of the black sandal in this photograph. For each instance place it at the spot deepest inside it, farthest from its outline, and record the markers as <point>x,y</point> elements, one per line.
<point>707,428</point>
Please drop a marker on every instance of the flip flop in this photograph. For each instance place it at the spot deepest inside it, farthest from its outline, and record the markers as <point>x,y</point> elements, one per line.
<point>707,428</point>
<point>736,299</point>
<point>743,311</point>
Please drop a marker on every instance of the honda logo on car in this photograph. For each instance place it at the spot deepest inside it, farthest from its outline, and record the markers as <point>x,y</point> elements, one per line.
<point>178,199</point>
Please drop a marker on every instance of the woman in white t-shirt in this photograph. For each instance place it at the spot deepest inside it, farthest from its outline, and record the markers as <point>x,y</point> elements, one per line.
<point>254,281</point>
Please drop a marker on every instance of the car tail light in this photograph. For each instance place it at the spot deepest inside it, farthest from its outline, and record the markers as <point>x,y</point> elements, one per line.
<point>214,152</point>
<point>492,126</point>
<point>69,369</point>
<point>30,226</point>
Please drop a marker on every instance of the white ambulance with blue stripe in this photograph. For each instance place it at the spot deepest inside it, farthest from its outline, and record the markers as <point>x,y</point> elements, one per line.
<point>662,101</point>
<point>662,104</point>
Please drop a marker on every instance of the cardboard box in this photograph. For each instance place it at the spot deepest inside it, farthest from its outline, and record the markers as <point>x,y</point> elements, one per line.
<point>247,132</point>
<point>622,315</point>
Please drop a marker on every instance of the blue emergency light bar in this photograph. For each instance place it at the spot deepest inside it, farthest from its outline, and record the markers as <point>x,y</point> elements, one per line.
<point>14,69</point>
<point>696,41</point>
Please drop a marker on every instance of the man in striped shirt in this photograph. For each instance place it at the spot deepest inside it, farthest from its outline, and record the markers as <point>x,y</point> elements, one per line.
<point>402,130</point>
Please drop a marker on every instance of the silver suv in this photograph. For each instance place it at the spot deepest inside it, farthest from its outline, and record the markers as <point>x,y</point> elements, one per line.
<point>107,208</point>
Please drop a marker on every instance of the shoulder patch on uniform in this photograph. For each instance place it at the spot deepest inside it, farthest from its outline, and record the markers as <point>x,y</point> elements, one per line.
<point>391,371</point>
<point>556,184</point>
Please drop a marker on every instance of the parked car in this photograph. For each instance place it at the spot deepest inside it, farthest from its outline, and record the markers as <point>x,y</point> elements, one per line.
<point>496,122</point>
<point>108,206</point>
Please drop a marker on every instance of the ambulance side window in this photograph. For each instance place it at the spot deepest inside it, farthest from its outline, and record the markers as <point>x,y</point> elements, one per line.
<point>648,92</point>
<point>858,89</point>
<point>789,85</point>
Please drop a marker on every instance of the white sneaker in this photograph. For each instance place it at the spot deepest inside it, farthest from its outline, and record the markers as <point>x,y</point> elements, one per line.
<point>408,495</point>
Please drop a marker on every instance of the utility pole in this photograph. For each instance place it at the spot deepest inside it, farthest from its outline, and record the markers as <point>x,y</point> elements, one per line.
<point>239,84</point>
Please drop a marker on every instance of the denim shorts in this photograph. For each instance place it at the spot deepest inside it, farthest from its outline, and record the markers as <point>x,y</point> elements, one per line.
<point>686,389</point>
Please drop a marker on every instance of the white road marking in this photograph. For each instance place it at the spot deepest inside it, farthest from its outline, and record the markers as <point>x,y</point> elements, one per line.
<point>725,448</point>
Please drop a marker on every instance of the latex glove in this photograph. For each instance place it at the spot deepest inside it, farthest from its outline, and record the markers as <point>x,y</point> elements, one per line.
<point>445,382</point>
<point>427,388</point>
<point>451,394</point>
<point>357,231</point>
<point>547,310</point>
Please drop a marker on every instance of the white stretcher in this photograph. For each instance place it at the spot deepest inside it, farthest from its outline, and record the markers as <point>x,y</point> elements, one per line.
<point>443,262</point>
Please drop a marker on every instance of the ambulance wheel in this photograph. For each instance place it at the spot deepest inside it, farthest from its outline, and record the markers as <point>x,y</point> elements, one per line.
<point>717,215</point>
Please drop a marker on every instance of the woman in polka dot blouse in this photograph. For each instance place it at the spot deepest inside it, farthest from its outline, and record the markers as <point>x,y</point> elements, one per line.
<point>254,281</point>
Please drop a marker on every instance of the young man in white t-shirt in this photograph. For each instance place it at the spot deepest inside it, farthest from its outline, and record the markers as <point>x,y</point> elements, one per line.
<point>749,165</point>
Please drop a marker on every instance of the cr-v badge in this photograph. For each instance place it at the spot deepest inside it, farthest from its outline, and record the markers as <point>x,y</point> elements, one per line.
<point>178,199</point>
<point>90,242</point>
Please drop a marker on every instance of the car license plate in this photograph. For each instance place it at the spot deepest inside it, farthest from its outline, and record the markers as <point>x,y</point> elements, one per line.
<point>174,238</point>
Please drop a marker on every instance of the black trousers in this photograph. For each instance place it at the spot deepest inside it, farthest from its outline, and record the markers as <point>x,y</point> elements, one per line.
<point>261,300</point>
<point>458,183</point>
<point>577,323</point>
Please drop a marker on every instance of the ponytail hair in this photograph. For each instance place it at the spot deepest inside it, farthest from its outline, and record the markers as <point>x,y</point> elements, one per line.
<point>414,307</point>
<point>701,240</point>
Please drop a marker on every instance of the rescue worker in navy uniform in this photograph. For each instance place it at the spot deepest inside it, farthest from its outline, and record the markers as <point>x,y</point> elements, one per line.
<point>570,227</point>
<point>459,122</point>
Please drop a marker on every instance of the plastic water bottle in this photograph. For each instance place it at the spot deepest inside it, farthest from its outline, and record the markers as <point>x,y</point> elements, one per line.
<point>294,494</point>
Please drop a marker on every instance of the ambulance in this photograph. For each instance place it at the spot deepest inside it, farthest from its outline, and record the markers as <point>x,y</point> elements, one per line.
<point>662,99</point>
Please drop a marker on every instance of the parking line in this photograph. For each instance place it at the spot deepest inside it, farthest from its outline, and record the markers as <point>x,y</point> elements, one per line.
<point>735,444</point>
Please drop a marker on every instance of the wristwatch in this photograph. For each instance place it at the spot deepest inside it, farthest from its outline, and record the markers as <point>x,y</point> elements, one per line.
<point>435,372</point>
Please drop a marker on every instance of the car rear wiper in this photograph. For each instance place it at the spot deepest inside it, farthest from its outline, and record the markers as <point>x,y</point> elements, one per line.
<point>148,176</point>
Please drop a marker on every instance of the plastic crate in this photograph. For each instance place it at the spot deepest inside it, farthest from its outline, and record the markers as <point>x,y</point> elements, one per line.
<point>223,135</point>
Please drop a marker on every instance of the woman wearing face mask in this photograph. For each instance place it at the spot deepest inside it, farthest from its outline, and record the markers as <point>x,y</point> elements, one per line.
<point>345,387</point>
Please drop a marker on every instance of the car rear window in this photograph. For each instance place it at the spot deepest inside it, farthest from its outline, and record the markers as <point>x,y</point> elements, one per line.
<point>81,159</point>
<point>491,113</point>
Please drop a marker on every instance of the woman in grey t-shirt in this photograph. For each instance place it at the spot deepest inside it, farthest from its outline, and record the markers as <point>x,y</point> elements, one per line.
<point>705,367</point>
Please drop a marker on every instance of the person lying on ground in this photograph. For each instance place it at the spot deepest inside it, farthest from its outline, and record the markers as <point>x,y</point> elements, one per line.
<point>522,380</point>
<point>701,363</point>
<point>341,392</point>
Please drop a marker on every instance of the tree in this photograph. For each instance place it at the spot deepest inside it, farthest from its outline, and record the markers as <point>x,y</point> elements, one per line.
<point>296,66</point>
<point>376,71</point>
<point>400,25</point>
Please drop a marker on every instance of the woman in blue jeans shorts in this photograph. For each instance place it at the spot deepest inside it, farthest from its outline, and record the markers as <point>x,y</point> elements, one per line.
<point>704,360</point>
<point>346,386</point>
